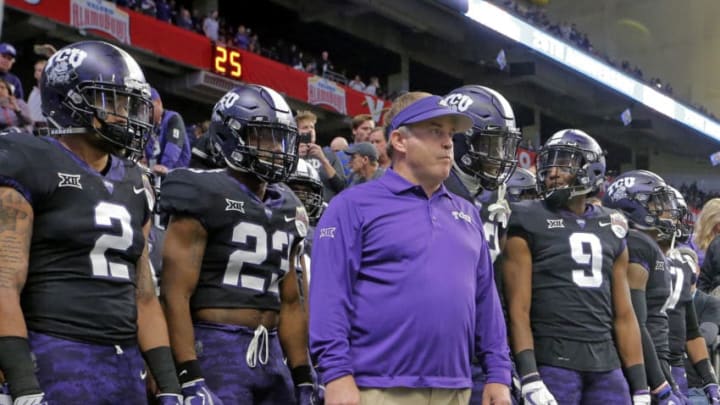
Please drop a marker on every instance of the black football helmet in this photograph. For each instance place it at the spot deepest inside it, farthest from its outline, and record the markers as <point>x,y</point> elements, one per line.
<point>488,150</point>
<point>578,153</point>
<point>307,186</point>
<point>522,185</point>
<point>95,87</point>
<point>686,222</point>
<point>646,200</point>
<point>254,130</point>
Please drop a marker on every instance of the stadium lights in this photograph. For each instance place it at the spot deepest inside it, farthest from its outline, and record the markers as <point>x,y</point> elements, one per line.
<point>518,30</point>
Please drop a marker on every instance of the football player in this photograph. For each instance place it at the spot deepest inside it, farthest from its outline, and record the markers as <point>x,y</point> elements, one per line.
<point>306,184</point>
<point>76,287</point>
<point>572,324</point>
<point>647,202</point>
<point>522,185</point>
<point>229,286</point>
<point>484,160</point>
<point>685,337</point>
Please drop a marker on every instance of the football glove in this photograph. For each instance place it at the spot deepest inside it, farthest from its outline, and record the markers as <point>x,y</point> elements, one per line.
<point>641,397</point>
<point>31,399</point>
<point>666,397</point>
<point>534,392</point>
<point>196,392</point>
<point>712,392</point>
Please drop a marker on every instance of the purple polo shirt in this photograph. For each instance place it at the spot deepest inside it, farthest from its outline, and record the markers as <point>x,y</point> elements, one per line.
<point>402,291</point>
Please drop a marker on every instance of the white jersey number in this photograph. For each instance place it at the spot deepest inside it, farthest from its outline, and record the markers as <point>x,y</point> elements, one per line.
<point>105,213</point>
<point>579,244</point>
<point>242,233</point>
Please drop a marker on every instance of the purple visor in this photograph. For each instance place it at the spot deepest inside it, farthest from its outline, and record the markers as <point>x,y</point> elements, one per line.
<point>426,109</point>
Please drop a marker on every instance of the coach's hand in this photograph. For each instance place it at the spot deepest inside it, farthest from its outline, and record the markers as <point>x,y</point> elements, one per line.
<point>342,391</point>
<point>496,394</point>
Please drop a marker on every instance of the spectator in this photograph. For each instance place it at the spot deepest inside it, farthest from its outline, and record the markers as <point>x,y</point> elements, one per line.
<point>367,320</point>
<point>357,83</point>
<point>241,39</point>
<point>364,163</point>
<point>325,63</point>
<point>163,11</point>
<point>338,144</point>
<point>254,45</point>
<point>14,113</point>
<point>34,101</point>
<point>362,124</point>
<point>148,7</point>
<point>324,161</point>
<point>373,87</point>
<point>7,60</point>
<point>168,146</point>
<point>706,239</point>
<point>185,20</point>
<point>377,138</point>
<point>211,26</point>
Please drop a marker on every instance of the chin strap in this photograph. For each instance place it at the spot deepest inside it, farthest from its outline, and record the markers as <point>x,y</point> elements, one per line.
<point>500,210</point>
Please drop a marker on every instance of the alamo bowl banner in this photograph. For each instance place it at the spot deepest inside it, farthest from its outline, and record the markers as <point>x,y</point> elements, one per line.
<point>100,15</point>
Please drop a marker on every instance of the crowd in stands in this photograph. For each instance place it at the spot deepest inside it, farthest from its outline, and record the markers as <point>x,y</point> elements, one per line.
<point>223,32</point>
<point>538,17</point>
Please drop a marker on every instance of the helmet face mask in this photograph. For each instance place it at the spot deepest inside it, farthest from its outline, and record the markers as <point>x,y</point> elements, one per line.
<point>685,221</point>
<point>488,151</point>
<point>571,163</point>
<point>491,155</point>
<point>255,133</point>
<point>97,88</point>
<point>307,186</point>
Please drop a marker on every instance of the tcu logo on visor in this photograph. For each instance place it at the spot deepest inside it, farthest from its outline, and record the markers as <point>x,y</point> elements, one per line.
<point>458,102</point>
<point>62,63</point>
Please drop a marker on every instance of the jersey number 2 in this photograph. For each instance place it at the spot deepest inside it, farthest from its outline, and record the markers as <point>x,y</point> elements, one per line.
<point>105,212</point>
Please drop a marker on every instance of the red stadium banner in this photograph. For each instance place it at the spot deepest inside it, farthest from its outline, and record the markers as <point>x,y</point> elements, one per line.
<point>192,49</point>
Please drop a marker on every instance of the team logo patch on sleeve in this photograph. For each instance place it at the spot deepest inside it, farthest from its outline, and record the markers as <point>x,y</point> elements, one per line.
<point>618,224</point>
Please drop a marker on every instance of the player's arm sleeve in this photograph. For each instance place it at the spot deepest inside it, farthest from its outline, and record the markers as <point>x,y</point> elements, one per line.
<point>336,255</point>
<point>710,270</point>
<point>640,263</point>
<point>491,346</point>
<point>175,142</point>
<point>181,195</point>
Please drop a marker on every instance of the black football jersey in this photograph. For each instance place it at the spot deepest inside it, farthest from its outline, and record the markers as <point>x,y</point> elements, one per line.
<point>681,273</point>
<point>572,264</point>
<point>87,238</point>
<point>644,251</point>
<point>249,241</point>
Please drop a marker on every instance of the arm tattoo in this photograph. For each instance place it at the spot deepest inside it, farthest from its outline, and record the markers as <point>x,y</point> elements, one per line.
<point>16,219</point>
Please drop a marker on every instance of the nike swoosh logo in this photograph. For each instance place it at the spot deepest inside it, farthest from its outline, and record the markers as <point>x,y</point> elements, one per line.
<point>143,374</point>
<point>182,373</point>
<point>604,224</point>
<point>138,190</point>
<point>289,219</point>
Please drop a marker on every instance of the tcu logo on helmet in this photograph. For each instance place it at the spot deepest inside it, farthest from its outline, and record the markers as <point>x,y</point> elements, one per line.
<point>62,63</point>
<point>459,102</point>
<point>618,189</point>
<point>227,101</point>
